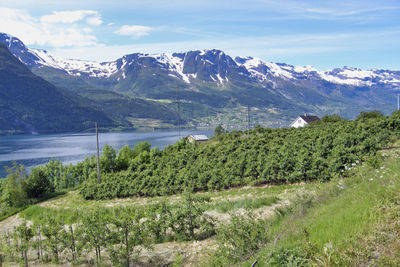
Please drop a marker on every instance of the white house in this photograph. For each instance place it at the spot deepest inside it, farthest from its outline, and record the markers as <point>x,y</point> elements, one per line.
<point>197,138</point>
<point>302,121</point>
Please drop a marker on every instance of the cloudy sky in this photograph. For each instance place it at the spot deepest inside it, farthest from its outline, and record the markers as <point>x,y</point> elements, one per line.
<point>322,33</point>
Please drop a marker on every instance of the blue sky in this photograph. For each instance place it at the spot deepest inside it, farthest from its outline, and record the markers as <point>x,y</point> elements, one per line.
<point>324,34</point>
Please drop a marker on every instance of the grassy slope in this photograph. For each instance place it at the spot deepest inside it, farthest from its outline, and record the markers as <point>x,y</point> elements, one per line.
<point>351,221</point>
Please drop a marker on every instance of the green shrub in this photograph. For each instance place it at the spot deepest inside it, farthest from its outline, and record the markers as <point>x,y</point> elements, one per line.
<point>38,184</point>
<point>240,239</point>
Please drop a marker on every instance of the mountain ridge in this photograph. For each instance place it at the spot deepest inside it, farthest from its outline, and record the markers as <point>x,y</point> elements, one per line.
<point>345,75</point>
<point>210,83</point>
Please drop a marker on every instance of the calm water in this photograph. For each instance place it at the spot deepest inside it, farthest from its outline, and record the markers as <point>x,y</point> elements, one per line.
<point>33,150</point>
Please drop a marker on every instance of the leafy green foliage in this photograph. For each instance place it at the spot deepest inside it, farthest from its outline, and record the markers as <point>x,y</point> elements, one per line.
<point>14,187</point>
<point>317,152</point>
<point>370,115</point>
<point>282,256</point>
<point>120,233</point>
<point>190,216</point>
<point>241,238</point>
<point>38,184</point>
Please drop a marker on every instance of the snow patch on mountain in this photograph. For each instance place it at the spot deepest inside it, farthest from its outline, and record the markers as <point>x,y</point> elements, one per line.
<point>76,67</point>
<point>300,69</point>
<point>357,73</point>
<point>337,80</point>
<point>279,71</point>
<point>174,64</point>
<point>264,71</point>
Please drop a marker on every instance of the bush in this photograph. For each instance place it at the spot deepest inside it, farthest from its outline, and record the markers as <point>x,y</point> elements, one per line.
<point>281,256</point>
<point>38,184</point>
<point>239,240</point>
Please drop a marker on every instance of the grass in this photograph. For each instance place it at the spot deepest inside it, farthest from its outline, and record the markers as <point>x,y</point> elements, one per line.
<point>347,222</point>
<point>12,211</point>
<point>67,206</point>
<point>36,213</point>
<point>73,200</point>
<point>245,203</point>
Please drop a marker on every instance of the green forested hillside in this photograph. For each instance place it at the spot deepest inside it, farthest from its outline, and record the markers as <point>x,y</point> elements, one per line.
<point>30,104</point>
<point>119,107</point>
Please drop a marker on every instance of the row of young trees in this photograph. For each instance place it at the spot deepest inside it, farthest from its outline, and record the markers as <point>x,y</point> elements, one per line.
<point>119,233</point>
<point>321,151</point>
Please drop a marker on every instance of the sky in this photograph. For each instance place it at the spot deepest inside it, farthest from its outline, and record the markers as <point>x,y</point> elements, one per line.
<point>322,33</point>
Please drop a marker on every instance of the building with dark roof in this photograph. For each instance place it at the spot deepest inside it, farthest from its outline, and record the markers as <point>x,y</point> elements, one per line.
<point>302,121</point>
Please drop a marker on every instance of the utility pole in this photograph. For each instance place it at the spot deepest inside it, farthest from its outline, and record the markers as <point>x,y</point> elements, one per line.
<point>398,102</point>
<point>179,112</point>
<point>248,121</point>
<point>98,160</point>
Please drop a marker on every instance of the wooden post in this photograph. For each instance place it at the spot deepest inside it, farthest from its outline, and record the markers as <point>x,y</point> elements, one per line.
<point>25,258</point>
<point>98,160</point>
<point>40,243</point>
<point>9,244</point>
<point>73,242</point>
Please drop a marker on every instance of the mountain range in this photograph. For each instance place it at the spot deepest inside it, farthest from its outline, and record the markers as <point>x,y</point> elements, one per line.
<point>209,87</point>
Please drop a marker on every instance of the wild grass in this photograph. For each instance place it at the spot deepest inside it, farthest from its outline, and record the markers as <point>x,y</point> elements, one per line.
<point>70,215</point>
<point>245,203</point>
<point>6,212</point>
<point>68,205</point>
<point>348,221</point>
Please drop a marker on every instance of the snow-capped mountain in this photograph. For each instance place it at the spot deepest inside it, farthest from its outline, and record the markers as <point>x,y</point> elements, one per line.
<point>206,65</point>
<point>265,71</point>
<point>212,81</point>
<point>38,57</point>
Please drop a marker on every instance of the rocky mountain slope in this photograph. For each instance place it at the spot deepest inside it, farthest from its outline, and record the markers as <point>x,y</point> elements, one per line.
<point>212,86</point>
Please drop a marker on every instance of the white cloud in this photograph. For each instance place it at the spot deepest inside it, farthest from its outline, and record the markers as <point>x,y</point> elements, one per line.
<point>48,31</point>
<point>281,48</point>
<point>134,31</point>
<point>93,17</point>
<point>95,21</point>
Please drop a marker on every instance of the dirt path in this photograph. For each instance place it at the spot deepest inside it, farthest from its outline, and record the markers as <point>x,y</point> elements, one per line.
<point>10,223</point>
